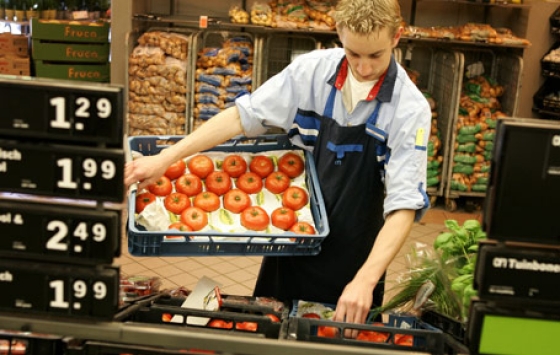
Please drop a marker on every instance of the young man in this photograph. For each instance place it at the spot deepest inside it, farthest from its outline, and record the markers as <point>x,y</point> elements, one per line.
<point>367,125</point>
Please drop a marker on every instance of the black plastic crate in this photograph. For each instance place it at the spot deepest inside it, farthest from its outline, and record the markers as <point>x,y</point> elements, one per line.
<point>448,325</point>
<point>550,68</point>
<point>543,101</point>
<point>16,343</point>
<point>555,22</point>
<point>242,319</point>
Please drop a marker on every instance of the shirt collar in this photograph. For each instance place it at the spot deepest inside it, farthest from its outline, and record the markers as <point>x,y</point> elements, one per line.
<point>382,92</point>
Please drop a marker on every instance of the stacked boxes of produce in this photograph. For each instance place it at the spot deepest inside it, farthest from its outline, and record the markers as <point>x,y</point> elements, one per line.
<point>224,70</point>
<point>475,130</point>
<point>315,14</point>
<point>157,84</point>
<point>490,88</point>
<point>71,50</point>
<point>14,54</point>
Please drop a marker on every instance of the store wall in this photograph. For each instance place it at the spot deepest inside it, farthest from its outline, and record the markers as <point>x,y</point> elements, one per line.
<point>531,23</point>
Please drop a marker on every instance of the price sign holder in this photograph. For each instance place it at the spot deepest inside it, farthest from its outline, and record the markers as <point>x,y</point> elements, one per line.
<point>62,170</point>
<point>59,233</point>
<point>61,289</point>
<point>86,113</point>
<point>60,141</point>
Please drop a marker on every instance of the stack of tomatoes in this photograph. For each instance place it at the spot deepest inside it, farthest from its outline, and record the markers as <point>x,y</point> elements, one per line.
<point>193,188</point>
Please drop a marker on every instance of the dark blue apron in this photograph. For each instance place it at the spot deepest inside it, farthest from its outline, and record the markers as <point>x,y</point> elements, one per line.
<point>350,179</point>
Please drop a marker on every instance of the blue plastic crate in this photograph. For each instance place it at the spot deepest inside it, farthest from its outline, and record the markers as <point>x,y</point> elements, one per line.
<point>149,243</point>
<point>425,338</point>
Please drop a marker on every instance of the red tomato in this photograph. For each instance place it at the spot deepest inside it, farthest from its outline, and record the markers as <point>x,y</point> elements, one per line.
<point>283,218</point>
<point>220,323</point>
<point>291,164</point>
<point>234,165</point>
<point>254,218</point>
<point>180,226</point>
<point>176,202</point>
<point>195,218</point>
<point>273,317</point>
<point>189,184</point>
<point>236,200</point>
<point>201,165</point>
<point>373,336</point>
<point>327,332</point>
<point>176,169</point>
<point>218,182</point>
<point>250,182</point>
<point>302,228</point>
<point>166,317</point>
<point>162,187</point>
<point>261,165</point>
<point>143,200</point>
<point>248,326</point>
<point>295,198</point>
<point>404,339</point>
<point>311,315</point>
<point>207,201</point>
<point>277,182</point>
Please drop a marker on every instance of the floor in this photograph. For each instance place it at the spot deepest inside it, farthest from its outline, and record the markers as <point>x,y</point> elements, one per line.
<point>237,275</point>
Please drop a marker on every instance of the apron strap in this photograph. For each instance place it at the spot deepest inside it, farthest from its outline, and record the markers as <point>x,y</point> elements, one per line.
<point>330,103</point>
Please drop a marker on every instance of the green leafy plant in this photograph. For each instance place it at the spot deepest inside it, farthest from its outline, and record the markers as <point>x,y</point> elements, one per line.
<point>448,270</point>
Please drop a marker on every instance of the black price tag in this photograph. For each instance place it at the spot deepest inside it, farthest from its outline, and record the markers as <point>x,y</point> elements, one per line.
<point>68,290</point>
<point>80,112</point>
<point>63,171</point>
<point>59,233</point>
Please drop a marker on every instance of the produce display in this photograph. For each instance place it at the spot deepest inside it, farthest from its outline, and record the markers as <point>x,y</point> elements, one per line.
<point>479,109</point>
<point>157,84</point>
<point>222,74</point>
<point>230,193</point>
<point>469,32</point>
<point>440,278</point>
<point>316,14</point>
<point>553,56</point>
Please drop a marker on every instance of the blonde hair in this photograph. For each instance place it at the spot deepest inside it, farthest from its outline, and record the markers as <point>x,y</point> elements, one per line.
<point>367,16</point>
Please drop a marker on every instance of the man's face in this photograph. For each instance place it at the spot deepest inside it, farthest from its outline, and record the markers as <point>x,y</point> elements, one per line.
<point>368,55</point>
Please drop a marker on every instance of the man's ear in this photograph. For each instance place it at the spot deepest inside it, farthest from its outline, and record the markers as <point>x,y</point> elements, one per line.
<point>397,36</point>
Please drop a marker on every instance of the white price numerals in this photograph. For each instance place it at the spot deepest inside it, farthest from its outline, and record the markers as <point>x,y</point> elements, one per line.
<point>83,105</point>
<point>56,242</point>
<point>90,170</point>
<point>80,291</point>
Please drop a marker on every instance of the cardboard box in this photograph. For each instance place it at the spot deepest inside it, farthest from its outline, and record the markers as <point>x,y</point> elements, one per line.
<point>14,44</point>
<point>70,52</point>
<point>71,71</point>
<point>14,65</point>
<point>70,31</point>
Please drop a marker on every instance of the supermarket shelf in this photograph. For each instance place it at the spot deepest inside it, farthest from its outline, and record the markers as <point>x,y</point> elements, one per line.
<point>216,22</point>
<point>176,337</point>
<point>482,3</point>
<point>450,42</point>
<point>221,23</point>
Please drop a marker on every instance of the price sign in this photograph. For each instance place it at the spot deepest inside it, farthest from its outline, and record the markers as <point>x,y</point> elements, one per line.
<point>68,290</point>
<point>61,170</point>
<point>61,233</point>
<point>79,112</point>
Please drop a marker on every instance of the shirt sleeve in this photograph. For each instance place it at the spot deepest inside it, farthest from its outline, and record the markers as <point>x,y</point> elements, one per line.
<point>405,175</point>
<point>273,104</point>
